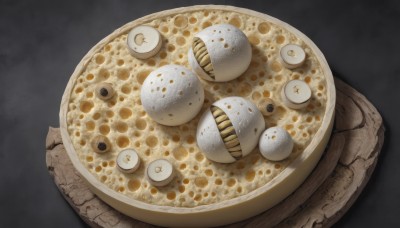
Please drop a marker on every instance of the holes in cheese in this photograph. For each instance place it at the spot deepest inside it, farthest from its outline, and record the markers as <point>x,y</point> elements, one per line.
<point>180,153</point>
<point>134,185</point>
<point>264,27</point>
<point>257,83</point>
<point>86,106</point>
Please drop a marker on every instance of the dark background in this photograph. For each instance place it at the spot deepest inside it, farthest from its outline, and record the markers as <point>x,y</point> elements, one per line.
<point>42,41</point>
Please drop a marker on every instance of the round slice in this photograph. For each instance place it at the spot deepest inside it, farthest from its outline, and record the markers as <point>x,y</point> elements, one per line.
<point>296,94</point>
<point>160,172</point>
<point>144,42</point>
<point>128,161</point>
<point>292,56</point>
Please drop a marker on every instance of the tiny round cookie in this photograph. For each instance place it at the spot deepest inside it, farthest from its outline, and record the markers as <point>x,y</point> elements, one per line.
<point>144,42</point>
<point>128,161</point>
<point>160,172</point>
<point>275,144</point>
<point>296,94</point>
<point>292,56</point>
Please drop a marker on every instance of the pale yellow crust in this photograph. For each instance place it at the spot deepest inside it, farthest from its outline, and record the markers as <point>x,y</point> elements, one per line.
<point>201,187</point>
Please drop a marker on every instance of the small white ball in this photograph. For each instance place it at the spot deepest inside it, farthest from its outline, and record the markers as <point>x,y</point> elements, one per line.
<point>172,95</point>
<point>229,52</point>
<point>275,144</point>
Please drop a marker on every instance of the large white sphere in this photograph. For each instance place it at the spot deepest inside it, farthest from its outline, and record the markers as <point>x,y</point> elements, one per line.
<point>172,95</point>
<point>247,121</point>
<point>276,144</point>
<point>229,51</point>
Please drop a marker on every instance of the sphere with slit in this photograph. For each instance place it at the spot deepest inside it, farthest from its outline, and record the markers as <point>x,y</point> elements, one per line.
<point>229,129</point>
<point>220,53</point>
<point>172,95</point>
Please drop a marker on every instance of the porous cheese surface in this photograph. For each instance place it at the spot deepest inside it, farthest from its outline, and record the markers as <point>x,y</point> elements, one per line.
<point>123,120</point>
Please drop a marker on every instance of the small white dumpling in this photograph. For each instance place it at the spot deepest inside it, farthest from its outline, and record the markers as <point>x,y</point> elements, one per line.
<point>276,144</point>
<point>172,95</point>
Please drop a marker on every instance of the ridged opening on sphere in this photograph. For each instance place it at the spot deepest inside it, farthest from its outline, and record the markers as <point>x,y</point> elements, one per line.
<point>202,57</point>
<point>227,132</point>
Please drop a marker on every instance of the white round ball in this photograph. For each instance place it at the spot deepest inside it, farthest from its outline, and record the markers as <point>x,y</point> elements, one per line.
<point>172,95</point>
<point>276,144</point>
<point>229,50</point>
<point>247,121</point>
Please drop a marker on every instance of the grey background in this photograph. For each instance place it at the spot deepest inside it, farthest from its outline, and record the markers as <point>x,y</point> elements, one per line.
<point>42,41</point>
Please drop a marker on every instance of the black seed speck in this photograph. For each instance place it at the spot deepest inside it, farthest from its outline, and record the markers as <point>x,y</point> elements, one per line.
<point>270,108</point>
<point>103,92</point>
<point>102,146</point>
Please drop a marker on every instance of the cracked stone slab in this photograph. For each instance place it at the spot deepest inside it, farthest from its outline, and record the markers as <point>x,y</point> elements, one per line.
<point>320,201</point>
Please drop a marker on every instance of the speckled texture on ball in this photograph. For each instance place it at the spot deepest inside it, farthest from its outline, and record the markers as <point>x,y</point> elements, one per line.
<point>172,95</point>
<point>276,144</point>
